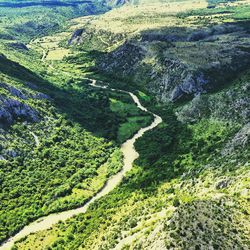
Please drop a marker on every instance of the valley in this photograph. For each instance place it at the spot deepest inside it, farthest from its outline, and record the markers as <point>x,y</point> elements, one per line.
<point>124,125</point>
<point>129,156</point>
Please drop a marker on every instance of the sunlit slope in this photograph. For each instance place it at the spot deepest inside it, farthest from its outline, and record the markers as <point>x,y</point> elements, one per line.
<point>131,19</point>
<point>51,125</point>
<point>174,51</point>
<point>190,186</point>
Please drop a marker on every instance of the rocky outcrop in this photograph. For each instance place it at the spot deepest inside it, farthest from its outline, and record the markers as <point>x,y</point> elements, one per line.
<point>20,46</point>
<point>22,94</point>
<point>76,37</point>
<point>124,60</point>
<point>115,3</point>
<point>175,80</point>
<point>197,108</point>
<point>11,110</point>
<point>190,82</point>
<point>175,71</point>
<point>150,37</point>
<point>213,31</point>
<point>231,105</point>
<point>41,96</point>
<point>2,158</point>
<point>180,63</point>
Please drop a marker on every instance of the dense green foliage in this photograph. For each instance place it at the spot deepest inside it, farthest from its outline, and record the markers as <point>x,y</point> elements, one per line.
<point>62,156</point>
<point>190,186</point>
<point>178,161</point>
<point>181,160</point>
<point>69,164</point>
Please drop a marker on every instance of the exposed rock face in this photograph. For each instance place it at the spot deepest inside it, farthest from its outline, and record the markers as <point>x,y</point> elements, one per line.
<point>117,2</point>
<point>222,184</point>
<point>6,36</point>
<point>14,91</point>
<point>11,110</point>
<point>2,158</point>
<point>23,94</point>
<point>18,45</point>
<point>169,74</point>
<point>150,37</point>
<point>11,153</point>
<point>190,85</point>
<point>41,96</point>
<point>127,61</point>
<point>231,105</point>
<point>181,62</point>
<point>190,82</point>
<point>129,56</point>
<point>197,108</point>
<point>213,31</point>
<point>76,37</point>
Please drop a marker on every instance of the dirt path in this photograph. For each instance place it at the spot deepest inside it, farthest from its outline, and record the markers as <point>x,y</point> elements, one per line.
<point>44,55</point>
<point>130,155</point>
<point>37,142</point>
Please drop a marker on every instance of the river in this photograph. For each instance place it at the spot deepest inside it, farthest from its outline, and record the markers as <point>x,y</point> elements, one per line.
<point>129,154</point>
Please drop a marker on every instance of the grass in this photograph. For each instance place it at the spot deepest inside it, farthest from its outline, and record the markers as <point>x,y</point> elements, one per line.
<point>57,122</point>
<point>182,192</point>
<point>123,108</point>
<point>129,128</point>
<point>130,19</point>
<point>57,54</point>
<point>132,118</point>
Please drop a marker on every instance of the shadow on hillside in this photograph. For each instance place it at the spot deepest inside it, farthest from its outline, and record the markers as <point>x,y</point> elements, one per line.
<point>218,53</point>
<point>160,150</point>
<point>164,145</point>
<point>9,4</point>
<point>84,106</point>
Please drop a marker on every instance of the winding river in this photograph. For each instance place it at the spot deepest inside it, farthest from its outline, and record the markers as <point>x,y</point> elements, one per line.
<point>130,155</point>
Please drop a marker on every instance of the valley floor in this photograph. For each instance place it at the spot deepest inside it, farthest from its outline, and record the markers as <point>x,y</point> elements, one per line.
<point>129,156</point>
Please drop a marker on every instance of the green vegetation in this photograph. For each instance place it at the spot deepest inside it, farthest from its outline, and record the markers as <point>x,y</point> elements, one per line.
<point>59,136</point>
<point>181,178</point>
<point>17,23</point>
<point>69,165</point>
<point>187,62</point>
<point>129,113</point>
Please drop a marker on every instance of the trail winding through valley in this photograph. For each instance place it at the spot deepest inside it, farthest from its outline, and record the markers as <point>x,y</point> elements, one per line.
<point>37,142</point>
<point>130,155</point>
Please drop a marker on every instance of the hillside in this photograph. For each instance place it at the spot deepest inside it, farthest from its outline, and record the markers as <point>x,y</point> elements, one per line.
<point>62,137</point>
<point>59,142</point>
<point>174,54</point>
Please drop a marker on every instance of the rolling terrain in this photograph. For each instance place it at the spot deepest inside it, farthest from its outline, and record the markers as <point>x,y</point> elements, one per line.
<point>76,86</point>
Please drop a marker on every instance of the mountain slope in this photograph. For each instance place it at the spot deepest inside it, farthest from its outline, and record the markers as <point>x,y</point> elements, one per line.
<point>59,140</point>
<point>44,162</point>
<point>189,189</point>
